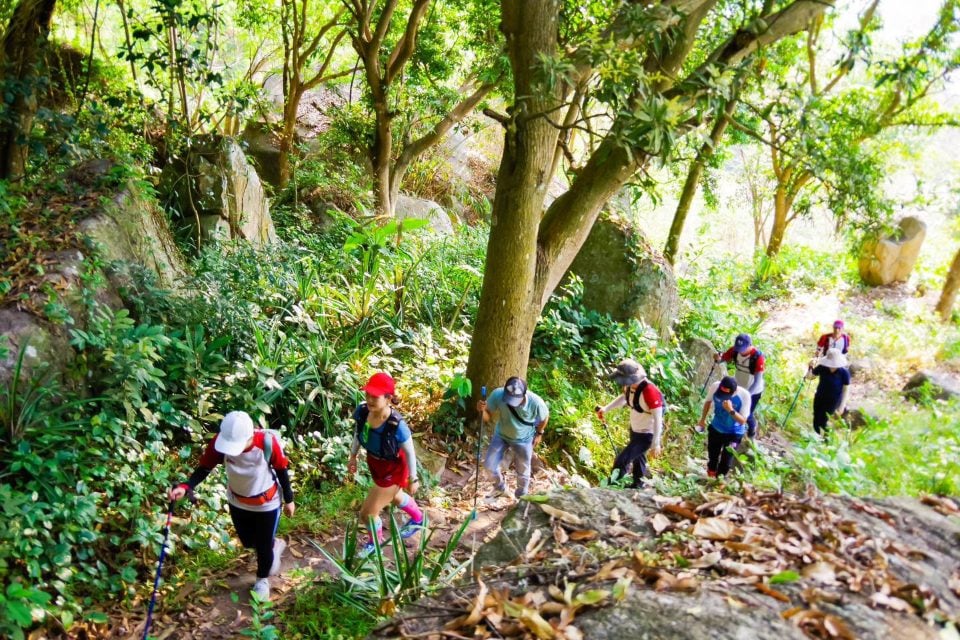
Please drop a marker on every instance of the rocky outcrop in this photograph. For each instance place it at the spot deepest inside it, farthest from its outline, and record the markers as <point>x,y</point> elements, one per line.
<point>418,208</point>
<point>624,277</point>
<point>939,386</point>
<point>223,191</point>
<point>705,368</point>
<point>887,260</point>
<point>128,228</point>
<point>262,146</point>
<point>605,564</point>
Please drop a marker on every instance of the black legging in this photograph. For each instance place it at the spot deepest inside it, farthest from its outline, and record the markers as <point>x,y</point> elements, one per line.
<point>823,406</point>
<point>752,419</point>
<point>256,530</point>
<point>719,456</point>
<point>635,452</point>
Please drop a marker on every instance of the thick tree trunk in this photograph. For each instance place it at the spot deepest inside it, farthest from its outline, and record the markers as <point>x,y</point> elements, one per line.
<point>950,288</point>
<point>509,309</point>
<point>288,133</point>
<point>781,209</point>
<point>20,53</point>
<point>693,181</point>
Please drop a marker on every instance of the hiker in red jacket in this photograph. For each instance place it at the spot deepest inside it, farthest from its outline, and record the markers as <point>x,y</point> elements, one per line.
<point>836,339</point>
<point>646,418</point>
<point>257,479</point>
<point>750,366</point>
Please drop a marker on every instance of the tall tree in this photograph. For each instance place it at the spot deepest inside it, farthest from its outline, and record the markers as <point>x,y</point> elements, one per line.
<point>639,56</point>
<point>304,46</point>
<point>386,44</point>
<point>819,126</point>
<point>21,51</point>
<point>950,288</point>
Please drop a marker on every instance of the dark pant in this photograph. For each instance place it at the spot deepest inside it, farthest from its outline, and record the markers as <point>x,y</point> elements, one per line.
<point>256,530</point>
<point>751,419</point>
<point>823,406</point>
<point>719,456</point>
<point>635,452</point>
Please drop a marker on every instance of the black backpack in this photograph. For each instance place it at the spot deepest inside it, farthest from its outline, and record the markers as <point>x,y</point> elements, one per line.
<point>752,366</point>
<point>389,447</point>
<point>636,396</point>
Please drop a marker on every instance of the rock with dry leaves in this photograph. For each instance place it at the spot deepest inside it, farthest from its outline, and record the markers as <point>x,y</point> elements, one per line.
<point>612,564</point>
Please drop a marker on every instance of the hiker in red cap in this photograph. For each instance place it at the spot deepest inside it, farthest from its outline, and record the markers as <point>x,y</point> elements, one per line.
<point>731,406</point>
<point>384,434</point>
<point>257,479</point>
<point>836,339</point>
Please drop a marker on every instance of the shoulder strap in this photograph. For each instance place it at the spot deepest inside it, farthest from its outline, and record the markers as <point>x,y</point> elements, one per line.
<point>267,445</point>
<point>635,404</point>
<point>753,360</point>
<point>519,419</point>
<point>362,414</point>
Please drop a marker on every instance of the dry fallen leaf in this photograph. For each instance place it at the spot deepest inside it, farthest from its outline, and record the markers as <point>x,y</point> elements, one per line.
<point>532,543</point>
<point>660,523</point>
<point>706,560</point>
<point>773,593</point>
<point>560,514</point>
<point>715,529</point>
<point>560,535</point>
<point>583,534</point>
<point>883,600</point>
<point>822,572</point>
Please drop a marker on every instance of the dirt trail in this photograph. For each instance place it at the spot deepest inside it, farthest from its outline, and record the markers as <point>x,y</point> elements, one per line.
<point>206,610</point>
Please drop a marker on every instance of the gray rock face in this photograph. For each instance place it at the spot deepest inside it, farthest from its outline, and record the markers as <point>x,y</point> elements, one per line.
<point>410,207</point>
<point>702,567</point>
<point>129,228</point>
<point>261,144</point>
<point>942,386</point>
<point>623,276</point>
<point>884,261</point>
<point>225,191</point>
<point>701,351</point>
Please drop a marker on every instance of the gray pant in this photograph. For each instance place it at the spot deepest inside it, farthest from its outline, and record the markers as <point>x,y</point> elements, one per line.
<point>522,455</point>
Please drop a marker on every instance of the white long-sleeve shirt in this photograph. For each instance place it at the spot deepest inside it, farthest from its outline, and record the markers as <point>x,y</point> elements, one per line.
<point>650,420</point>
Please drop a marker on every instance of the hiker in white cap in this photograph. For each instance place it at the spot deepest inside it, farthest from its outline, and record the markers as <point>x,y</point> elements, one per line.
<point>646,418</point>
<point>832,389</point>
<point>521,417</point>
<point>257,478</point>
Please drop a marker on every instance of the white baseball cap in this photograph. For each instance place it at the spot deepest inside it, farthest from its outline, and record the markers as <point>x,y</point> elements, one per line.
<point>235,431</point>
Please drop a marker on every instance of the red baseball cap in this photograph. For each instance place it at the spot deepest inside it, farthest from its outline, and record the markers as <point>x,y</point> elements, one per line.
<point>380,384</point>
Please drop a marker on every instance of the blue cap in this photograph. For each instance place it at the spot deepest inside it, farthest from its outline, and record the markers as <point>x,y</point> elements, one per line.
<point>742,343</point>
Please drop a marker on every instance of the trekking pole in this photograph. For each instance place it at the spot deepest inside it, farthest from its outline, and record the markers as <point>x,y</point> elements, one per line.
<point>476,481</point>
<point>803,381</point>
<point>163,554</point>
<point>606,430</point>
<point>709,375</point>
<point>156,579</point>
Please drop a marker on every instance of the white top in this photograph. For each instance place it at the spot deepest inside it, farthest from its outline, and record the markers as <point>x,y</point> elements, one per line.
<point>651,421</point>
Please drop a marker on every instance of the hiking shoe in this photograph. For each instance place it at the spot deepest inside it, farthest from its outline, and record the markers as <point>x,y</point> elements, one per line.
<point>410,528</point>
<point>261,590</point>
<point>368,549</point>
<point>279,544</point>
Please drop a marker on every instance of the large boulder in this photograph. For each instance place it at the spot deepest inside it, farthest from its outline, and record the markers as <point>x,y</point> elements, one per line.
<point>409,207</point>
<point>263,147</point>
<point>940,386</point>
<point>887,260</point>
<point>616,564</point>
<point>624,277</point>
<point>127,227</point>
<point>705,368</point>
<point>223,191</point>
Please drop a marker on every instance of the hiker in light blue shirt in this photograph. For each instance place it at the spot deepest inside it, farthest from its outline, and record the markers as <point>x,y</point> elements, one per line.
<point>521,416</point>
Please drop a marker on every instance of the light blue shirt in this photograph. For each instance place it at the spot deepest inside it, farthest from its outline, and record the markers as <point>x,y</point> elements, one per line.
<point>511,429</point>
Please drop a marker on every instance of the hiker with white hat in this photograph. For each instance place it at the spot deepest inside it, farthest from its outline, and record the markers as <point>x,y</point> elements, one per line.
<point>835,339</point>
<point>832,389</point>
<point>646,418</point>
<point>731,406</point>
<point>749,363</point>
<point>257,479</point>
<point>521,416</point>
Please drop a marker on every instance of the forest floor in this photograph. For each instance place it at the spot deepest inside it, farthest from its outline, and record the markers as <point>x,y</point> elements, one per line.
<point>216,604</point>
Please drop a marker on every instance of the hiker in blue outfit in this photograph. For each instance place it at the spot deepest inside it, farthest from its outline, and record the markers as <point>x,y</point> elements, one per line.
<point>731,406</point>
<point>750,365</point>
<point>832,389</point>
<point>521,416</point>
<point>384,434</point>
